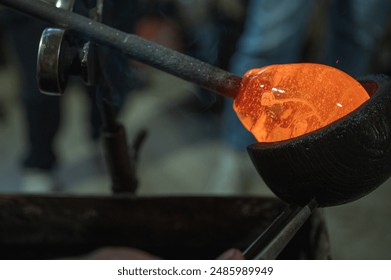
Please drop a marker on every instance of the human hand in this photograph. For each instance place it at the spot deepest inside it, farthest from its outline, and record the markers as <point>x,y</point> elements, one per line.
<point>126,253</point>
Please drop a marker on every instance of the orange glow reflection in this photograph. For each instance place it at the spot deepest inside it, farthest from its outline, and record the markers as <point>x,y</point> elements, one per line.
<point>279,102</point>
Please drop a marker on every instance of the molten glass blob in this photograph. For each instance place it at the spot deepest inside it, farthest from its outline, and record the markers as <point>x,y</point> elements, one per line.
<point>280,102</point>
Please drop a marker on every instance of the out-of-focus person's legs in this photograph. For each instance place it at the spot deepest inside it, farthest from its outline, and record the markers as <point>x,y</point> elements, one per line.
<point>356,30</point>
<point>42,112</point>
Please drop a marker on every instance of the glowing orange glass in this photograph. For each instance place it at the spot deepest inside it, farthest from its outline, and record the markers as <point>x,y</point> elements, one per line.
<point>279,102</point>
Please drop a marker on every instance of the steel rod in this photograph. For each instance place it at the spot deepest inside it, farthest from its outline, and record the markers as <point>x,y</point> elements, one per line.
<point>137,48</point>
<point>275,238</point>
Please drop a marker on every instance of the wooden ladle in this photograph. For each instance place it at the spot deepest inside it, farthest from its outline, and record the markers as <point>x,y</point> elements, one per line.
<point>336,164</point>
<point>339,163</point>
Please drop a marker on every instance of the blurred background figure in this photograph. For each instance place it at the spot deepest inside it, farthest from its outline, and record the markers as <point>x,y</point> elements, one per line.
<point>42,112</point>
<point>348,34</point>
<point>210,31</point>
<point>206,30</point>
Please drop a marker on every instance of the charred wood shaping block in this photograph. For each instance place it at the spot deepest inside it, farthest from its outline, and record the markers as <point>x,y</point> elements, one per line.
<point>44,227</point>
<point>339,163</point>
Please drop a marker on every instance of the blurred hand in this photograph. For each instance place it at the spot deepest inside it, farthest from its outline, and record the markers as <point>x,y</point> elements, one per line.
<point>231,254</point>
<point>120,253</point>
<point>125,253</point>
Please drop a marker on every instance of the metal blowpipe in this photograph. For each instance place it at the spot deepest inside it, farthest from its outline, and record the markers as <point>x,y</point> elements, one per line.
<point>137,48</point>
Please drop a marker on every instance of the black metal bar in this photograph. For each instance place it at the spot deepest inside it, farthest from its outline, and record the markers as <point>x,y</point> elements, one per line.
<point>155,55</point>
<point>119,163</point>
<point>275,238</point>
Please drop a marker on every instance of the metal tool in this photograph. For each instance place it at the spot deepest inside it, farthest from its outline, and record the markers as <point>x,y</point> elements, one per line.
<point>167,60</point>
<point>275,238</point>
<point>56,53</point>
<point>62,53</point>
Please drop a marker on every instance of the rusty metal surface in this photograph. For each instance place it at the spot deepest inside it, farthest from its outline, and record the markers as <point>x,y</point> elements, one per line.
<point>41,227</point>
